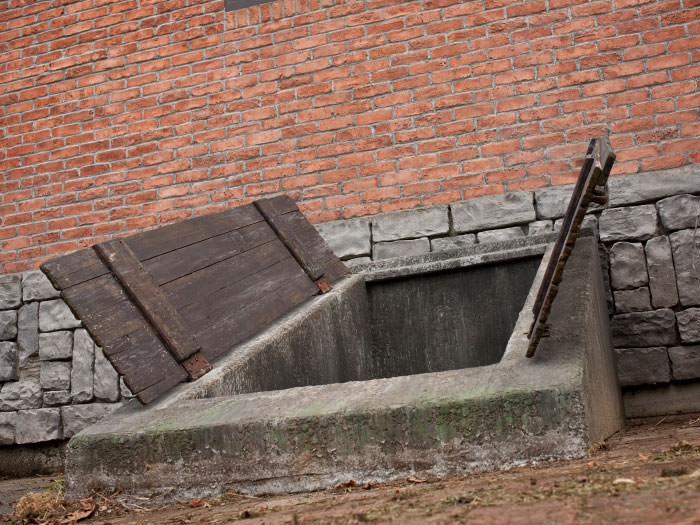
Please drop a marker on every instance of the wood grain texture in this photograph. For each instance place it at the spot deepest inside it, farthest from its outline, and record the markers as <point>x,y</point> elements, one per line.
<point>144,292</point>
<point>590,184</point>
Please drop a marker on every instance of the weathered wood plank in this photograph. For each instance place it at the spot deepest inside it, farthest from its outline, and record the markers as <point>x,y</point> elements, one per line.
<point>144,292</point>
<point>301,238</point>
<point>198,287</point>
<point>198,256</point>
<point>256,315</point>
<point>142,359</point>
<point>152,243</point>
<point>74,268</point>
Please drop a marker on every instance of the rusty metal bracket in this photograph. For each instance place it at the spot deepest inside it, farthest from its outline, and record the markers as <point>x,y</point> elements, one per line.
<point>591,186</point>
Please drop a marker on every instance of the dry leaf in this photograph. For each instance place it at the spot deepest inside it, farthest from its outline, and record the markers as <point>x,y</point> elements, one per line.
<point>195,502</point>
<point>416,480</point>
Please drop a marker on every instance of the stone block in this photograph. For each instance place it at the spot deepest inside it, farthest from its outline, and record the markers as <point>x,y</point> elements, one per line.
<point>10,291</point>
<point>357,261</point>
<point>350,238</point>
<point>630,223</point>
<point>55,375</point>
<point>494,211</point>
<point>54,398</point>
<point>28,332</point>
<point>8,422</point>
<point>501,235</point>
<point>628,267</point>
<point>81,376</point>
<point>20,395</point>
<point>654,185</point>
<point>386,250</point>
<point>55,315</point>
<point>410,224</point>
<point>641,329</point>
<point>551,202</point>
<point>636,300</point>
<point>441,244</point>
<point>662,276</point>
<point>8,325</point>
<point>642,366</point>
<point>56,345</point>
<point>679,212</point>
<point>37,287</point>
<point>685,246</point>
<point>124,390</point>
<point>685,362</point>
<point>78,417</point>
<point>105,378</point>
<point>689,325</point>
<point>9,361</point>
<point>35,426</point>
<point>540,227</point>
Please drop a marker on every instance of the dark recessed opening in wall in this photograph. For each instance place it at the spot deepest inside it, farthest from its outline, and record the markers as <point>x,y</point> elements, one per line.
<point>233,5</point>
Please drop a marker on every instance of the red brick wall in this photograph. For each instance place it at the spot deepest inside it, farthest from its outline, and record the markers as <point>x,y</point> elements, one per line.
<point>119,115</point>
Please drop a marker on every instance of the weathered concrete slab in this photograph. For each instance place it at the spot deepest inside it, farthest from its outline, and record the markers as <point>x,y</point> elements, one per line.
<point>410,224</point>
<point>495,211</point>
<point>432,424</point>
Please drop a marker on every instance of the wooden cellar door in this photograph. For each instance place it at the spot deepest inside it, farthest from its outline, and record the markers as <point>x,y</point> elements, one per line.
<point>165,303</point>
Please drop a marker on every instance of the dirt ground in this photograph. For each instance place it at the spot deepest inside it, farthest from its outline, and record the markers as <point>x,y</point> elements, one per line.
<point>644,474</point>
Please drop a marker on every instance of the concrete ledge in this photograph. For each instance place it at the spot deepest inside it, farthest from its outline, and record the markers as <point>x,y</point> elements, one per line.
<point>516,411</point>
<point>661,400</point>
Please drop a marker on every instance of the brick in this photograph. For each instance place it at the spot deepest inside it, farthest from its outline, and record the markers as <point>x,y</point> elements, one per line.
<point>685,362</point>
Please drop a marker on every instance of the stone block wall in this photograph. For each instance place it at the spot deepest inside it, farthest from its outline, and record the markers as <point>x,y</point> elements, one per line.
<point>650,254</point>
<point>54,380</point>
